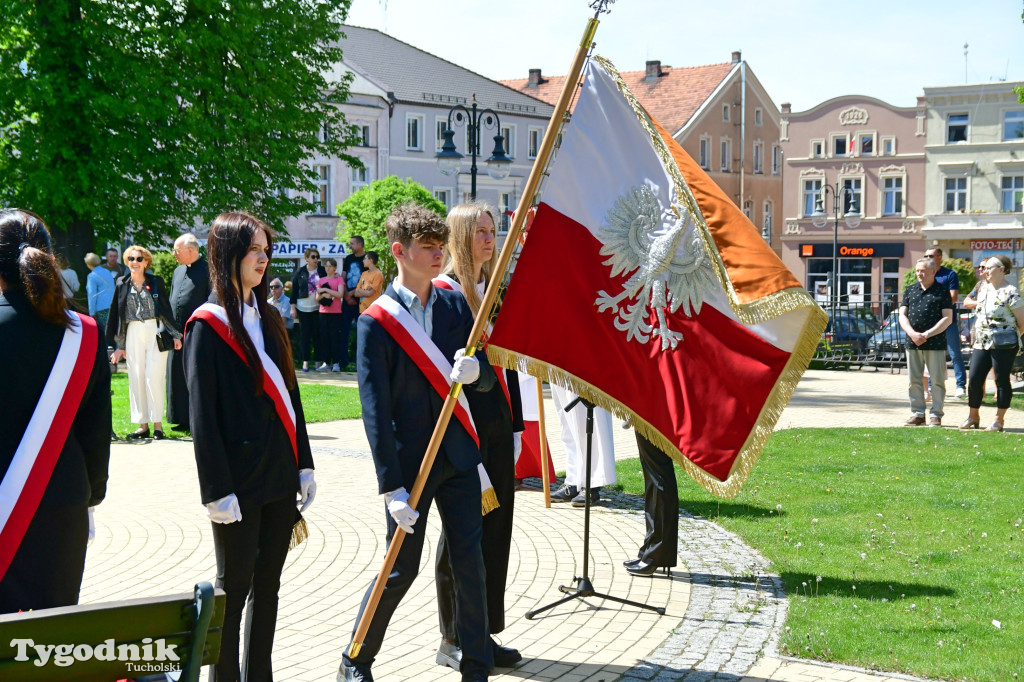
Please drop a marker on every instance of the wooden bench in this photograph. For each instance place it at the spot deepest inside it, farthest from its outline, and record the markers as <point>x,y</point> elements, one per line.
<point>189,626</point>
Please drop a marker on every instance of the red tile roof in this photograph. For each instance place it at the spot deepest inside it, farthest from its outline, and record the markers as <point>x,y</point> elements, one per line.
<point>671,98</point>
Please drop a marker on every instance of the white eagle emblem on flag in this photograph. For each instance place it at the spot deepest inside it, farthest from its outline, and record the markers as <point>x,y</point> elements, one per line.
<point>644,240</point>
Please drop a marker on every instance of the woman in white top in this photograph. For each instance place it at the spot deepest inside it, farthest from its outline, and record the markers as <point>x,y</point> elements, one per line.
<point>304,306</point>
<point>1000,317</point>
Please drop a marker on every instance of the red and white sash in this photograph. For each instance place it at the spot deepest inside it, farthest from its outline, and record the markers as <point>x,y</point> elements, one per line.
<point>273,381</point>
<point>446,282</point>
<point>29,473</point>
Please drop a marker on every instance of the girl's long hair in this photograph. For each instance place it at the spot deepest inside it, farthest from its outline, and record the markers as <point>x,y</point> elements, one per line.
<point>231,235</point>
<point>27,264</point>
<point>462,223</point>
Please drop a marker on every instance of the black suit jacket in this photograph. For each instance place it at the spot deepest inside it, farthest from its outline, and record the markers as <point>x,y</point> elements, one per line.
<point>400,407</point>
<point>240,444</point>
<point>30,347</point>
<point>116,322</point>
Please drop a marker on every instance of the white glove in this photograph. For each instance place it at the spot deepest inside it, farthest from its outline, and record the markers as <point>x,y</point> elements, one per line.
<point>307,489</point>
<point>398,506</point>
<point>92,527</point>
<point>224,510</point>
<point>466,369</point>
<point>517,445</point>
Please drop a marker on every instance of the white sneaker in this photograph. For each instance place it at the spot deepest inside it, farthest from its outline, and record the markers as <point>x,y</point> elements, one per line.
<point>960,393</point>
<point>336,367</point>
<point>324,367</point>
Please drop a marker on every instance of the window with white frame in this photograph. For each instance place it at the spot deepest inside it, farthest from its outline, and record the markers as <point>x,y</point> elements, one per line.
<point>956,128</point>
<point>840,145</point>
<point>854,198</point>
<point>766,221</point>
<point>758,116</point>
<point>867,144</point>
<point>535,136</point>
<point>505,206</point>
<point>444,195</point>
<point>956,195</point>
<point>1013,124</point>
<point>817,149</point>
<point>725,112</point>
<point>748,210</point>
<point>759,157</point>
<point>440,125</point>
<point>365,137</point>
<point>322,195</point>
<point>888,146</point>
<point>358,178</point>
<point>812,193</point>
<point>509,135</point>
<point>1013,193</point>
<point>414,132</point>
<point>726,155</point>
<point>776,159</point>
<point>892,195</point>
<point>705,153</point>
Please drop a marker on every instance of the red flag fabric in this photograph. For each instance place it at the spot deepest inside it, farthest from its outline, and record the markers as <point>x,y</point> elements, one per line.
<point>645,289</point>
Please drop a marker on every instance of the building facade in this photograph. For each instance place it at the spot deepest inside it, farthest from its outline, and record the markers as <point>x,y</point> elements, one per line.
<point>721,115</point>
<point>854,154</point>
<point>975,171</point>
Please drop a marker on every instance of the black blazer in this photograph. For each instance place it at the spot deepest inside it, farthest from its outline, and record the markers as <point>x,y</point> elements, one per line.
<point>300,281</point>
<point>400,407</point>
<point>116,322</point>
<point>30,347</point>
<point>240,444</point>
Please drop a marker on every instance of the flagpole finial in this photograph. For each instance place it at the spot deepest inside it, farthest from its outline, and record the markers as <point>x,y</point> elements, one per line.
<point>600,7</point>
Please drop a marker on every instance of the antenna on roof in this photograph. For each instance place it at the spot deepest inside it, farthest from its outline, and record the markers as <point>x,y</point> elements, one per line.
<point>965,64</point>
<point>384,4</point>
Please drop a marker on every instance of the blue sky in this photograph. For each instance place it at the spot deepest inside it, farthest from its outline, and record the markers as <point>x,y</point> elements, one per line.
<point>803,51</point>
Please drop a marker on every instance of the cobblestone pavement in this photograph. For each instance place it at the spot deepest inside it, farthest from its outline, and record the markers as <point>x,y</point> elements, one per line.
<point>724,606</point>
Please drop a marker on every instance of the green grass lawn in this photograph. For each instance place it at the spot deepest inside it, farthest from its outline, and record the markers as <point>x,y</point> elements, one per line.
<point>320,402</point>
<point>900,549</point>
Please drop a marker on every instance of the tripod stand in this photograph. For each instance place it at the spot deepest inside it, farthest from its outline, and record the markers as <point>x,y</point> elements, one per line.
<point>584,587</point>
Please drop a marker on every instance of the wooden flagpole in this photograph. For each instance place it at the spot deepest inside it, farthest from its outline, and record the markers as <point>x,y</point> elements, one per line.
<point>529,191</point>
<point>543,444</point>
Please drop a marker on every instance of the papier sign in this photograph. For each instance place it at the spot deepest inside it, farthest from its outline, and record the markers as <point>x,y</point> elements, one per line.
<point>297,248</point>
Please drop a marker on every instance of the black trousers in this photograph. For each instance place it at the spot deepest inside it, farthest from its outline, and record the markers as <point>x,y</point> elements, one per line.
<point>498,453</point>
<point>250,557</point>
<point>330,338</point>
<point>458,502</point>
<point>46,571</point>
<point>1001,361</point>
<point>308,326</point>
<point>177,389</point>
<point>661,505</point>
<point>349,314</point>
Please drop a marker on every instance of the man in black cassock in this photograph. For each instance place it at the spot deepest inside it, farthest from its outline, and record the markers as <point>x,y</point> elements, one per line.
<point>190,288</point>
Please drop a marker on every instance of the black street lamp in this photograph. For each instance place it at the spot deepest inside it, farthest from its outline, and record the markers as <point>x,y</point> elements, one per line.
<point>851,217</point>
<point>449,159</point>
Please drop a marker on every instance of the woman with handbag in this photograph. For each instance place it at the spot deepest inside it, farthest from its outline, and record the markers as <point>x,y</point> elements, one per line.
<point>141,329</point>
<point>249,436</point>
<point>1000,316</point>
<point>329,292</point>
<point>305,308</point>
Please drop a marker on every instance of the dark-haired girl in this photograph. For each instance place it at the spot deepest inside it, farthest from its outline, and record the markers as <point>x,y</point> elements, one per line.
<point>249,436</point>
<point>53,462</point>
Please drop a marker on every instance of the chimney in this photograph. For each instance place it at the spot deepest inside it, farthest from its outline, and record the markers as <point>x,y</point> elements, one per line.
<point>787,108</point>
<point>653,70</point>
<point>535,78</point>
<point>736,57</point>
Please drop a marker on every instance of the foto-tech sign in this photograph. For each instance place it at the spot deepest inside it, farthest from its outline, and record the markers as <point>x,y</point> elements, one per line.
<point>859,250</point>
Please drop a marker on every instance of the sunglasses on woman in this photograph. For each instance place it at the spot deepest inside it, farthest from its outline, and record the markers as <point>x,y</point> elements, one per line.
<point>132,259</point>
<point>313,256</point>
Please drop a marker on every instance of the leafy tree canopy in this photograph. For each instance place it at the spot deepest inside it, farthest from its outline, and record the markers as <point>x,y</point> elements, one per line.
<point>133,120</point>
<point>364,212</point>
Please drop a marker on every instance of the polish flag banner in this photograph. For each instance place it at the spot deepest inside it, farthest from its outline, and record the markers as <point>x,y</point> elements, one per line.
<point>643,288</point>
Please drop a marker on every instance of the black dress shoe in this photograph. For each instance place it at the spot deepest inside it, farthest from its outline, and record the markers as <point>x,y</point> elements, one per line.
<point>640,568</point>
<point>138,435</point>
<point>504,657</point>
<point>630,562</point>
<point>158,434</point>
<point>449,654</point>
<point>357,672</point>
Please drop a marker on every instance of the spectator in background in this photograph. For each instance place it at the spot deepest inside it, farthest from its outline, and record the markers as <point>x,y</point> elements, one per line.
<point>70,278</point>
<point>925,312</point>
<point>190,287</point>
<point>99,289</point>
<point>280,303</point>
<point>329,293</point>
<point>352,270</point>
<point>304,306</point>
<point>112,262</point>
<point>371,283</point>
<point>949,279</point>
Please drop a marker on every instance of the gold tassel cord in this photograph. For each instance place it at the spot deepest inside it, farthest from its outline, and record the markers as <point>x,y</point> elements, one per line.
<point>488,501</point>
<point>300,532</point>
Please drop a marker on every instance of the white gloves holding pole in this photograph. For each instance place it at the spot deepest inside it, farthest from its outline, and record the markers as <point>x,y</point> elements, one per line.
<point>465,369</point>
<point>398,506</point>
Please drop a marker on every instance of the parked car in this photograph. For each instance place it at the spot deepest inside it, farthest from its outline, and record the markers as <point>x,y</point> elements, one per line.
<point>851,331</point>
<point>888,344</point>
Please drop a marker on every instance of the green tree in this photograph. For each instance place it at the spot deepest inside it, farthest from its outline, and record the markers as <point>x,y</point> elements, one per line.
<point>363,214</point>
<point>126,120</point>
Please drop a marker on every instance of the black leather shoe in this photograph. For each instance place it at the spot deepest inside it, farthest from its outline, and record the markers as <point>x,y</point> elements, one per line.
<point>565,493</point>
<point>449,654</point>
<point>158,434</point>
<point>138,435</point>
<point>357,672</point>
<point>630,562</point>
<point>640,568</point>
<point>505,657</point>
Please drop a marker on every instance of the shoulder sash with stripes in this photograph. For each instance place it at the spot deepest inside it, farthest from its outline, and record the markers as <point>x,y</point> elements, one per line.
<point>30,470</point>
<point>273,381</point>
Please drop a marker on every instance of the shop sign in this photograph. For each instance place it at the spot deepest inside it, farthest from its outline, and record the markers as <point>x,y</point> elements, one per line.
<point>880,250</point>
<point>995,244</point>
<point>297,248</point>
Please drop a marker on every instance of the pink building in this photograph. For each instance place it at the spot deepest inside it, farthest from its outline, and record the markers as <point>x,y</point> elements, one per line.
<point>871,155</point>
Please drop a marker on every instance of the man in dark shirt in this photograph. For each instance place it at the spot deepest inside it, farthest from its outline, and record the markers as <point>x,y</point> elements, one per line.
<point>949,279</point>
<point>352,269</point>
<point>926,311</point>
